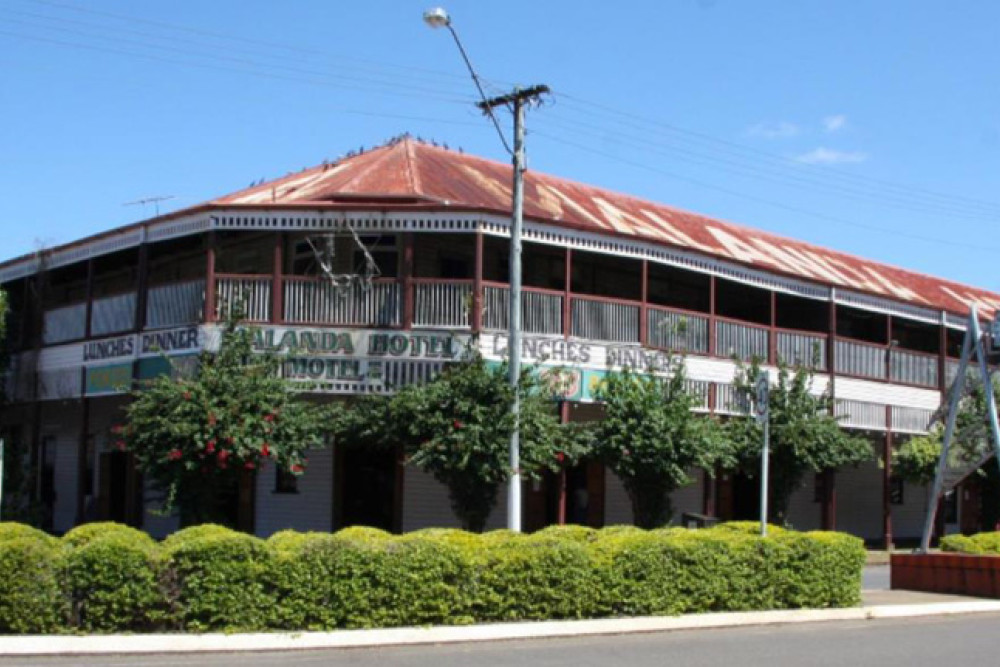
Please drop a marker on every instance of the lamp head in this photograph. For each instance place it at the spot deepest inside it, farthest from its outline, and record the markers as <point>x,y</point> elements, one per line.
<point>437,17</point>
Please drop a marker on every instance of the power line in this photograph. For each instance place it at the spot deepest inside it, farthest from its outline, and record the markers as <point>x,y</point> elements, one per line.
<point>223,68</point>
<point>662,127</point>
<point>363,83</point>
<point>768,202</point>
<point>771,174</point>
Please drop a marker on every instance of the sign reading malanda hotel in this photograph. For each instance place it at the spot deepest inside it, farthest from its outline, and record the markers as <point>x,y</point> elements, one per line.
<point>352,355</point>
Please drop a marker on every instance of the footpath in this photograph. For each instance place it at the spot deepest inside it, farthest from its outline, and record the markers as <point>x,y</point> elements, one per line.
<point>876,604</point>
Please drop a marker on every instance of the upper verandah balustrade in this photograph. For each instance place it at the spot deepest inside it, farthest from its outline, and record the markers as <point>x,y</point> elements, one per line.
<point>460,284</point>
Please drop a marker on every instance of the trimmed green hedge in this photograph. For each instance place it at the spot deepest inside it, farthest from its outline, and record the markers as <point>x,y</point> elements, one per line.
<point>986,544</point>
<point>110,578</point>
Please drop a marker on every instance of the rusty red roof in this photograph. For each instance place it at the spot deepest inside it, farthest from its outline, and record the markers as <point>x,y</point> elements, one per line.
<point>410,172</point>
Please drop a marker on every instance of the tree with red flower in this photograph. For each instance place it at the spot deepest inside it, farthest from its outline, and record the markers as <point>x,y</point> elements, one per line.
<point>235,398</point>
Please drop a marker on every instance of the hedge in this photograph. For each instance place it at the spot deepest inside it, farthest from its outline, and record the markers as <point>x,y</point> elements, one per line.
<point>110,578</point>
<point>987,544</point>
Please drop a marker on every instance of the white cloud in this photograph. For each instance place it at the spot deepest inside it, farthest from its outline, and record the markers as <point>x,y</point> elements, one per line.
<point>834,123</point>
<point>780,130</point>
<point>831,156</point>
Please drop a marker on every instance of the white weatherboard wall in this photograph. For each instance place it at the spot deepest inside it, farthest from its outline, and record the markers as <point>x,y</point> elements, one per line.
<point>859,500</point>
<point>426,504</point>
<point>309,509</point>
<point>618,507</point>
<point>61,423</point>
<point>908,518</point>
<point>803,511</point>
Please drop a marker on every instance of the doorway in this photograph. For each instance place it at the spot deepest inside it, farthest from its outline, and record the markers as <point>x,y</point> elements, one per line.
<point>366,489</point>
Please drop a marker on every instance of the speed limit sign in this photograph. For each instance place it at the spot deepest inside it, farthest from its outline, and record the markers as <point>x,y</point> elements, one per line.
<point>761,395</point>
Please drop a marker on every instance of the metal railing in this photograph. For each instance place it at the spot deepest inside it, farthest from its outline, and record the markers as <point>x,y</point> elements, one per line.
<point>112,314</point>
<point>246,296</point>
<point>742,341</point>
<point>65,323</point>
<point>175,304</point>
<point>319,302</point>
<point>442,304</point>
<point>802,349</point>
<point>860,359</point>
<point>541,312</point>
<point>913,368</point>
<point>676,331</point>
<point>950,371</point>
<point>605,320</point>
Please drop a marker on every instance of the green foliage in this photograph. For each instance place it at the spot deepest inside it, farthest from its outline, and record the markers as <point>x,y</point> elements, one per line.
<point>916,460</point>
<point>211,578</point>
<point>10,530</point>
<point>980,543</point>
<point>31,599</point>
<point>222,582</point>
<point>86,533</point>
<point>194,436</point>
<point>804,434</point>
<point>113,582</point>
<point>650,439</point>
<point>458,427</point>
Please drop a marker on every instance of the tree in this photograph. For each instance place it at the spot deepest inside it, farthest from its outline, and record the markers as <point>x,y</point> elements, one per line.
<point>916,460</point>
<point>194,437</point>
<point>457,427</point>
<point>804,435</point>
<point>650,438</point>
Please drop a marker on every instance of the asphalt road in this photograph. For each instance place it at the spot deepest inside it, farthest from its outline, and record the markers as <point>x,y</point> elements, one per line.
<point>915,642</point>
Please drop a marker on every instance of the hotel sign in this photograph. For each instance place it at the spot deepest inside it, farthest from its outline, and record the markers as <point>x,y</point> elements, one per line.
<point>338,355</point>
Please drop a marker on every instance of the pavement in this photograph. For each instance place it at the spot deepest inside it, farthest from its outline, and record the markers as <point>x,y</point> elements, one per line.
<point>878,603</point>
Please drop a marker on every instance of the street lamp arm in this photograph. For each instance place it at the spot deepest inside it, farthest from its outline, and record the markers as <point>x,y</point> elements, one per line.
<point>487,109</point>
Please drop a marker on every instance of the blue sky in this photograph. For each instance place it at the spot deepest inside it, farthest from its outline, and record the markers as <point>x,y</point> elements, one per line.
<point>872,128</point>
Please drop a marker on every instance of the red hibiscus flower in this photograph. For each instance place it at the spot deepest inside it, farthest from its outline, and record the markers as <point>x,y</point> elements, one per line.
<point>210,446</point>
<point>187,395</point>
<point>457,424</point>
<point>265,451</point>
<point>120,445</point>
<point>296,468</point>
<point>174,454</point>
<point>269,417</point>
<point>249,465</point>
<point>223,455</point>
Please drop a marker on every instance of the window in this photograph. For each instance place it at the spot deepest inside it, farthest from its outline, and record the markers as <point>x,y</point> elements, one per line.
<point>285,481</point>
<point>819,487</point>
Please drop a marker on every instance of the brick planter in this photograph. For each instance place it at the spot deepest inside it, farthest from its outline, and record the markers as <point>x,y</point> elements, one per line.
<point>960,574</point>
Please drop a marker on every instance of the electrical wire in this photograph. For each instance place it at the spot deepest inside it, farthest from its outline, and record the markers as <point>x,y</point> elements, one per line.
<point>762,200</point>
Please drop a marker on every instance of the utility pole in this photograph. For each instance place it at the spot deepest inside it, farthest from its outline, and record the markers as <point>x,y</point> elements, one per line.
<point>517,100</point>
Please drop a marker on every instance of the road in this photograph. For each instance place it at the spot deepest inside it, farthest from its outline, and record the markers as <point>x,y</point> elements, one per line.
<point>916,642</point>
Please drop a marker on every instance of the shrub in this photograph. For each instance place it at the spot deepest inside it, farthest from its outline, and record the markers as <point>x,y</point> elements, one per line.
<point>194,533</point>
<point>221,581</point>
<point>747,528</point>
<point>980,543</point>
<point>113,583</point>
<point>104,578</point>
<point>524,578</point>
<point>10,530</point>
<point>88,532</point>
<point>30,597</point>
<point>960,544</point>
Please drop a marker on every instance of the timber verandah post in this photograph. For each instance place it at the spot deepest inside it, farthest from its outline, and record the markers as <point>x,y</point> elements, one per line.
<point>81,452</point>
<point>828,505</point>
<point>210,290</point>
<point>477,285</point>
<point>406,281</point>
<point>277,279</point>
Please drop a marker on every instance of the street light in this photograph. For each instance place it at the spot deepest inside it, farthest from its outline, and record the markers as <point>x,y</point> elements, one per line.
<point>515,100</point>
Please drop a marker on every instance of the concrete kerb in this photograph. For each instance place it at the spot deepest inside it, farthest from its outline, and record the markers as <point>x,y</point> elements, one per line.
<point>48,645</point>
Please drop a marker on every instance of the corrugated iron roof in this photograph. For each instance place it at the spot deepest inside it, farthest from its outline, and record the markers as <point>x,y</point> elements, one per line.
<point>415,173</point>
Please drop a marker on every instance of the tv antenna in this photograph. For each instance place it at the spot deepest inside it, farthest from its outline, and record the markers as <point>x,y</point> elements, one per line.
<point>155,201</point>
